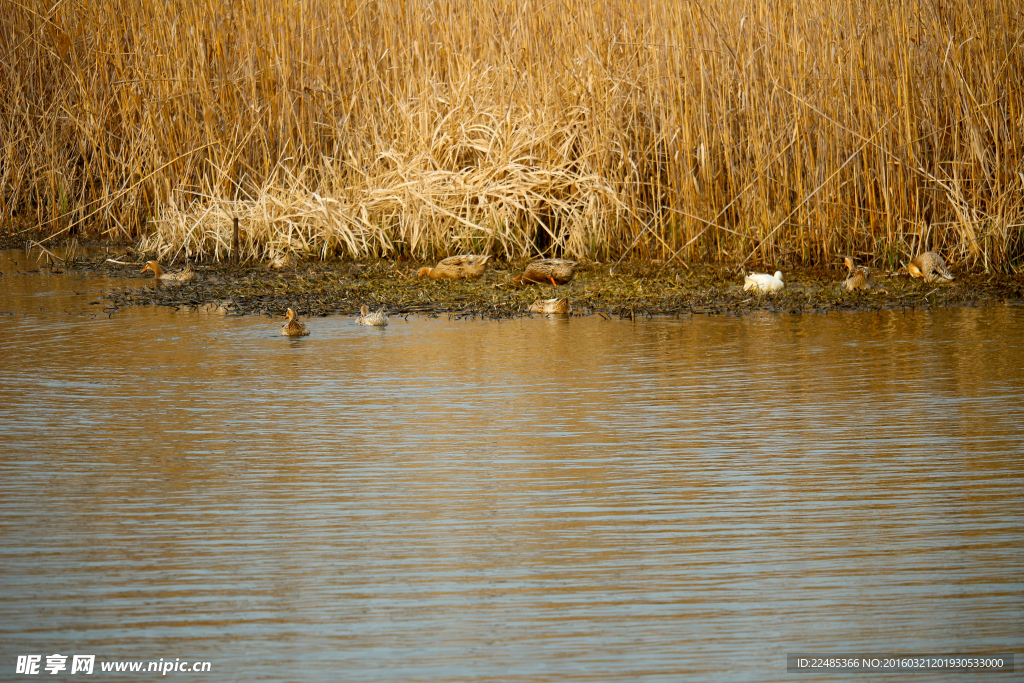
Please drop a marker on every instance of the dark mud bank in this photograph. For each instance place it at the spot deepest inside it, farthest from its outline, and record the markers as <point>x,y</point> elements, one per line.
<point>630,290</point>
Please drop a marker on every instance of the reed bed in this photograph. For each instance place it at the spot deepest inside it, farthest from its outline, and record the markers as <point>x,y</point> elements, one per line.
<point>736,131</point>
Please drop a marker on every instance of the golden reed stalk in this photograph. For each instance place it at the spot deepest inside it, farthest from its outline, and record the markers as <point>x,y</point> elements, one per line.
<point>730,130</point>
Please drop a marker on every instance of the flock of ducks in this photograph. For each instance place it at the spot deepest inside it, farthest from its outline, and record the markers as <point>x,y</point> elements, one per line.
<point>469,267</point>
<point>930,266</point>
<point>293,328</point>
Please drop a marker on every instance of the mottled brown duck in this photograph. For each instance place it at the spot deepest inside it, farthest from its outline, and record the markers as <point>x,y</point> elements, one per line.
<point>464,267</point>
<point>554,270</point>
<point>293,328</point>
<point>859,277</point>
<point>281,261</point>
<point>551,306</point>
<point>931,267</point>
<point>183,275</point>
<point>375,319</point>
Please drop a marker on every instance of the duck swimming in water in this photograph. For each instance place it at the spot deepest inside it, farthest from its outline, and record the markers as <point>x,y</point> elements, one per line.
<point>464,267</point>
<point>762,282</point>
<point>860,277</point>
<point>375,319</point>
<point>293,328</point>
<point>551,306</point>
<point>183,275</point>
<point>931,267</point>
<point>554,270</point>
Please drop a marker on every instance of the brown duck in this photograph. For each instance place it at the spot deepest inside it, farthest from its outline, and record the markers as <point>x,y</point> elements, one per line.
<point>293,328</point>
<point>376,319</point>
<point>930,266</point>
<point>551,306</point>
<point>859,277</point>
<point>464,267</point>
<point>554,270</point>
<point>183,275</point>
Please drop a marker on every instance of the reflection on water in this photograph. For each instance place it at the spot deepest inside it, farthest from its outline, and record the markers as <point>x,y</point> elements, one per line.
<point>531,500</point>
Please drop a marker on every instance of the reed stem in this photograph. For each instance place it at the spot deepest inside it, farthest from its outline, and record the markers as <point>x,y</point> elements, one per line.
<point>754,130</point>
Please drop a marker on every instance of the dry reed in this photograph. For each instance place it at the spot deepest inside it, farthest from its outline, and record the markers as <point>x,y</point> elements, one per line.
<point>742,131</point>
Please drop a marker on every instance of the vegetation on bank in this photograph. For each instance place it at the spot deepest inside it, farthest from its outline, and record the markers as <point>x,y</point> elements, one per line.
<point>750,132</point>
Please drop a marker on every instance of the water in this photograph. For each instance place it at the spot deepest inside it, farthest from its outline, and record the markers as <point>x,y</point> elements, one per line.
<point>534,500</point>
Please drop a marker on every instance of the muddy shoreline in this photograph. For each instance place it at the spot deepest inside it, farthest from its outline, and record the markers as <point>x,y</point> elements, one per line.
<point>629,290</point>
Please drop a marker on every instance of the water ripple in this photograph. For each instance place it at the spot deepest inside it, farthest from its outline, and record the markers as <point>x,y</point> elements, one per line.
<point>527,500</point>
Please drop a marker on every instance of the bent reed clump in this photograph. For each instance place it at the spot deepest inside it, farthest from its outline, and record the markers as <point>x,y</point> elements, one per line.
<point>752,132</point>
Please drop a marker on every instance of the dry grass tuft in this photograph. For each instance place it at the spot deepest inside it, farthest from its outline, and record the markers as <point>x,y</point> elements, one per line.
<point>484,185</point>
<point>743,132</point>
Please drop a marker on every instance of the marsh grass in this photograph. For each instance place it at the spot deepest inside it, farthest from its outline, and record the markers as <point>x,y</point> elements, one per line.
<point>750,131</point>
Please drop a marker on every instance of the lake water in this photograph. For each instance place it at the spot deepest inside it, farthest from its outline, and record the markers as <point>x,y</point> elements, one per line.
<point>529,500</point>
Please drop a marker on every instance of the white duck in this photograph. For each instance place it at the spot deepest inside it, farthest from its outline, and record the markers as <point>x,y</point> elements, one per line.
<point>762,282</point>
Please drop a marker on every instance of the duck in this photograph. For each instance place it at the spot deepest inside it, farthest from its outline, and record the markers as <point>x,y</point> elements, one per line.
<point>183,275</point>
<point>762,282</point>
<point>464,267</point>
<point>375,319</point>
<point>859,277</point>
<point>293,328</point>
<point>554,270</point>
<point>281,261</point>
<point>551,306</point>
<point>930,266</point>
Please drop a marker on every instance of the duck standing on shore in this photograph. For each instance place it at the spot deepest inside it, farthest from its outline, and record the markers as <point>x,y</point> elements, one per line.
<point>464,267</point>
<point>554,270</point>
<point>183,275</point>
<point>293,328</point>
<point>375,319</point>
<point>762,282</point>
<point>931,267</point>
<point>281,261</point>
<point>859,277</point>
